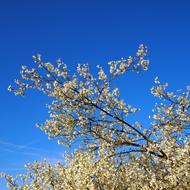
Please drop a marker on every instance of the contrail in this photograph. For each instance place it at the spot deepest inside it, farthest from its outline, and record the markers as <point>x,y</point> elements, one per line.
<point>26,147</point>
<point>12,169</point>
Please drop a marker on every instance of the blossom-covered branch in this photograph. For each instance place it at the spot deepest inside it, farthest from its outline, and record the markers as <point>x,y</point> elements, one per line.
<point>113,153</point>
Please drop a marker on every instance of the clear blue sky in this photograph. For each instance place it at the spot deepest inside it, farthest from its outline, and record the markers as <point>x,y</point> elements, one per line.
<point>83,31</point>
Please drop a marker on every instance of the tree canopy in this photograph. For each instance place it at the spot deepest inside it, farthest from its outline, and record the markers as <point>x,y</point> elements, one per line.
<point>113,153</point>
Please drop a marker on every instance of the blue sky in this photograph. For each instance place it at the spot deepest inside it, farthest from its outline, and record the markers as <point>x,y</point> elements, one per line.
<point>81,31</point>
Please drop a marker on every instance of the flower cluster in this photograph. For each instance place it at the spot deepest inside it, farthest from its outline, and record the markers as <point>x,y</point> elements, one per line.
<point>114,153</point>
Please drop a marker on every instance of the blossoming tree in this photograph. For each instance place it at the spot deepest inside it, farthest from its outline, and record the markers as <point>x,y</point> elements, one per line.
<point>113,153</point>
